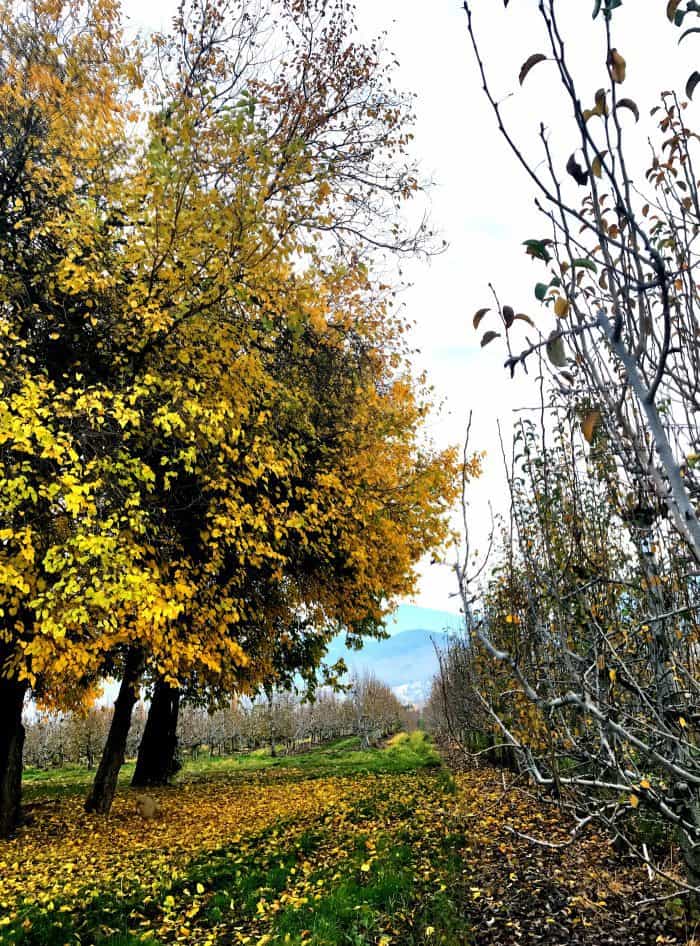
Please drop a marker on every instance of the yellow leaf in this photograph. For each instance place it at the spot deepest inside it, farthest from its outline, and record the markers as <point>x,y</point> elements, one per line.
<point>365,867</point>
<point>645,783</point>
<point>589,424</point>
<point>561,307</point>
<point>634,801</point>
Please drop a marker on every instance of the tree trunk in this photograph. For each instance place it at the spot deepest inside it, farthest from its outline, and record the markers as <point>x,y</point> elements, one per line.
<point>105,784</point>
<point>12,694</point>
<point>157,759</point>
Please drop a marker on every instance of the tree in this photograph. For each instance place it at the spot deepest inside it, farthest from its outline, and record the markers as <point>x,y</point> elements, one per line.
<point>201,376</point>
<point>332,333</point>
<point>621,285</point>
<point>63,561</point>
<point>377,711</point>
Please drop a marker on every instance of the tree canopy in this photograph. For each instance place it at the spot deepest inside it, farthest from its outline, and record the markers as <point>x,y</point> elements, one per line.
<point>210,431</point>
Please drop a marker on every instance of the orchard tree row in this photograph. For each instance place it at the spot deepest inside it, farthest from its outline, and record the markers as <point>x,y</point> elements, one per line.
<point>281,722</point>
<point>211,458</point>
<point>580,665</point>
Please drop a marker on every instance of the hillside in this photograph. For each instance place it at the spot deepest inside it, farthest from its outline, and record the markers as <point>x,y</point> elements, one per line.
<point>406,661</point>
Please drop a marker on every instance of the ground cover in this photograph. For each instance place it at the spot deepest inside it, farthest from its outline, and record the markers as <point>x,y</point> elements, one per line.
<point>338,846</point>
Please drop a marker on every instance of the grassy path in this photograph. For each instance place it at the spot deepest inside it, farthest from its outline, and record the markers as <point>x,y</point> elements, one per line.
<point>334,848</point>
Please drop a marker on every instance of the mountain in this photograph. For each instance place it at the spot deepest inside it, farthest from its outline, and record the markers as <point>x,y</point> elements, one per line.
<point>408,617</point>
<point>406,661</point>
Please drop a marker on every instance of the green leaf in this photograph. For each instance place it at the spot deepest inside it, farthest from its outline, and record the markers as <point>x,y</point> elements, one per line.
<point>585,264</point>
<point>556,351</point>
<point>489,337</point>
<point>632,106</point>
<point>693,29</point>
<point>596,8</point>
<point>540,291</point>
<point>691,84</point>
<point>538,249</point>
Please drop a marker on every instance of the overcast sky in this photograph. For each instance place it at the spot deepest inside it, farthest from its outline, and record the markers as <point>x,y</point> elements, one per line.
<point>482,202</point>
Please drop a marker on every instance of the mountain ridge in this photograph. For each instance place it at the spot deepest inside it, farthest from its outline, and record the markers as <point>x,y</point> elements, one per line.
<point>406,660</point>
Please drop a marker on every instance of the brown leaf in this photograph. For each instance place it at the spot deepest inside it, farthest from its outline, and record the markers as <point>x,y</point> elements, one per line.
<point>671,9</point>
<point>479,316</point>
<point>561,307</point>
<point>597,164</point>
<point>525,318</point>
<point>489,337</point>
<point>601,107</point>
<point>589,424</point>
<point>617,66</point>
<point>528,64</point>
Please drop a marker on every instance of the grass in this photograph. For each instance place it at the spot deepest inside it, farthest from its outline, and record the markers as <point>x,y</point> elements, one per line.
<point>374,866</point>
<point>404,753</point>
<point>39,784</point>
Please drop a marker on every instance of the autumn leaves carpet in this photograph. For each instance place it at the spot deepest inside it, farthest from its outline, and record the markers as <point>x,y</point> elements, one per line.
<point>386,854</point>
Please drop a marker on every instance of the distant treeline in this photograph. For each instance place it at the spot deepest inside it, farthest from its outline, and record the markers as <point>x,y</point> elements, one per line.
<point>283,722</point>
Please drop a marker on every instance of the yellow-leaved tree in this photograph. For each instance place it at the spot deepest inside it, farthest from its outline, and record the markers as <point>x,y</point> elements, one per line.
<point>209,431</point>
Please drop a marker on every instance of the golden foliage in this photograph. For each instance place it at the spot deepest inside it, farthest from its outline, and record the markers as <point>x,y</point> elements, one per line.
<point>208,423</point>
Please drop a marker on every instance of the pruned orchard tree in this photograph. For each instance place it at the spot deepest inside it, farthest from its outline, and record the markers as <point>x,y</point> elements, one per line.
<point>594,617</point>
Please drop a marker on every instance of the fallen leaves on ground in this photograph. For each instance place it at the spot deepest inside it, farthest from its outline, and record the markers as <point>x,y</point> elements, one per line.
<point>381,859</point>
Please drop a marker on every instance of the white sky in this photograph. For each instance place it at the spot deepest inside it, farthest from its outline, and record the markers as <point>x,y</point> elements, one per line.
<point>482,202</point>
